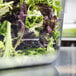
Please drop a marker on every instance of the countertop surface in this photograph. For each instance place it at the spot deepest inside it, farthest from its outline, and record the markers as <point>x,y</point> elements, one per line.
<point>64,65</point>
<point>66,61</point>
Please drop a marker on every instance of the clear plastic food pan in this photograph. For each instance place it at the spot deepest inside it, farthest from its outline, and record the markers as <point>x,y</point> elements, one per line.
<point>30,32</point>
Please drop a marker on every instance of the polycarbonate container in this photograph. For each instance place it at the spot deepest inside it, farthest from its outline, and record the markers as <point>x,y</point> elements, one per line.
<point>30,32</point>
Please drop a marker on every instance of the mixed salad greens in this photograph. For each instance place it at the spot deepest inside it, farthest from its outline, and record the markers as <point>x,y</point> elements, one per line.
<point>21,20</point>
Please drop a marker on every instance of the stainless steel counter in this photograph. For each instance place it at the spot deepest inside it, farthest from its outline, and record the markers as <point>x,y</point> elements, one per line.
<point>65,65</point>
<point>66,62</point>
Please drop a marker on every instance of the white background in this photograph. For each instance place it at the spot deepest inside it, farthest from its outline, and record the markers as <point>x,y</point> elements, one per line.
<point>70,14</point>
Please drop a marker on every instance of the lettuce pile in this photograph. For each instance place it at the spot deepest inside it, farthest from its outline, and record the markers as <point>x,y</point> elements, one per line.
<point>29,19</point>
